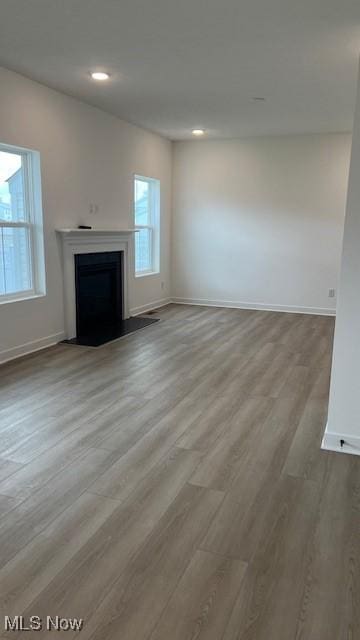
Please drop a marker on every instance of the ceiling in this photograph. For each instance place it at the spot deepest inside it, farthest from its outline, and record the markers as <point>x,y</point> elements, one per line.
<point>180,64</point>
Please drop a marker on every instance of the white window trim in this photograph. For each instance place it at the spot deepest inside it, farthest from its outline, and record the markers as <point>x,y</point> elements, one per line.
<point>20,296</point>
<point>154,228</point>
<point>147,272</point>
<point>33,204</point>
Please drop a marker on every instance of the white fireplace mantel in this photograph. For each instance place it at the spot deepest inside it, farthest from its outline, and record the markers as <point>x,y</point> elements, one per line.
<point>76,241</point>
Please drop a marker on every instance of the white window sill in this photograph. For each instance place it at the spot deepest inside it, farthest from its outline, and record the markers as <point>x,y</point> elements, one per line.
<point>146,273</point>
<point>18,297</point>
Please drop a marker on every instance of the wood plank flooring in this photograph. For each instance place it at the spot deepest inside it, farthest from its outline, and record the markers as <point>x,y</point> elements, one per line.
<point>171,486</point>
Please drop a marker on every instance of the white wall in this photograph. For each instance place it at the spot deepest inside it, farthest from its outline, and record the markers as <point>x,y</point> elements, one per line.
<point>256,222</point>
<point>259,221</point>
<point>87,157</point>
<point>344,407</point>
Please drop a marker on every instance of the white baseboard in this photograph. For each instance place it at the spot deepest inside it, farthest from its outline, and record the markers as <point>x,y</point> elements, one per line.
<point>136,311</point>
<point>319,311</point>
<point>30,347</point>
<point>48,341</point>
<point>331,442</point>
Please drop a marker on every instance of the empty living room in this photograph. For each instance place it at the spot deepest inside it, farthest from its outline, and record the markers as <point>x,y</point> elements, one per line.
<point>179,319</point>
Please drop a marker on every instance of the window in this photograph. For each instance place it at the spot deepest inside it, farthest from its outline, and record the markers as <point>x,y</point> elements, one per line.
<point>21,233</point>
<point>147,221</point>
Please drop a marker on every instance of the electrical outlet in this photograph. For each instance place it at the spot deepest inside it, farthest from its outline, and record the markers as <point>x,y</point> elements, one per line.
<point>163,285</point>
<point>331,293</point>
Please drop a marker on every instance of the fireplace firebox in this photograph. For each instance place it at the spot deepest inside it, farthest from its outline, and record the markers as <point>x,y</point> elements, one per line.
<point>98,290</point>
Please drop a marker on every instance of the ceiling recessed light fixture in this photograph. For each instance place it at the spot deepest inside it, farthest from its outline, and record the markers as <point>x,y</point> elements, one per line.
<point>198,132</point>
<point>258,99</point>
<point>100,75</point>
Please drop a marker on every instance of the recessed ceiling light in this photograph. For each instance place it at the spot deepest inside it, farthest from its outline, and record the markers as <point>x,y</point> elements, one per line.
<point>100,75</point>
<point>259,99</point>
<point>198,132</point>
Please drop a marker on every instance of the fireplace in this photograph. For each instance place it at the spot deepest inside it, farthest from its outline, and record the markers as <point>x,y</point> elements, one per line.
<point>97,267</point>
<point>98,291</point>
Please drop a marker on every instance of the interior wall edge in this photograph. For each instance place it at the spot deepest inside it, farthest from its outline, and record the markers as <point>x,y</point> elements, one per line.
<point>332,442</point>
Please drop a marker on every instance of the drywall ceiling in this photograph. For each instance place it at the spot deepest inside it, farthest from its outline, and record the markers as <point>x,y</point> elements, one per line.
<point>179,64</point>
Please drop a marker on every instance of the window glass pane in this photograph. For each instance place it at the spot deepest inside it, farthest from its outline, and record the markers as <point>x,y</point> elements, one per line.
<point>15,260</point>
<point>142,212</point>
<point>12,198</point>
<point>147,214</point>
<point>143,250</point>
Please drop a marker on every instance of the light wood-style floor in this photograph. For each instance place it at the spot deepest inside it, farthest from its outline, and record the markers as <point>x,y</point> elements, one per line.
<point>171,486</point>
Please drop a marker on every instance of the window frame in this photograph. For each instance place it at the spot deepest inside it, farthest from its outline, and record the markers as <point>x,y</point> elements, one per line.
<point>33,222</point>
<point>154,226</point>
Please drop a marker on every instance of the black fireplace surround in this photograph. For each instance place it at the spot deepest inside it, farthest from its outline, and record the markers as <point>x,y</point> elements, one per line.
<point>99,299</point>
